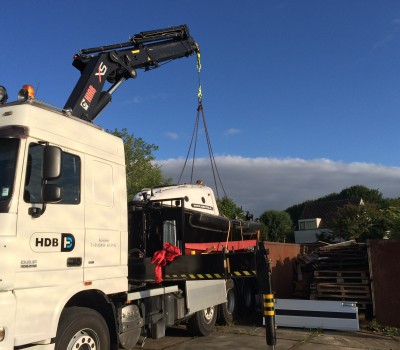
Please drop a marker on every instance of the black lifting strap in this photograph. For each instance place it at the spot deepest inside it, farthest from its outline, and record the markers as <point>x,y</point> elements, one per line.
<point>193,142</point>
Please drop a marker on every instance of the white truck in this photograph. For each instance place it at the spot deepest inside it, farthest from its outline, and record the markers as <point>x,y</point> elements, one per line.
<point>64,237</point>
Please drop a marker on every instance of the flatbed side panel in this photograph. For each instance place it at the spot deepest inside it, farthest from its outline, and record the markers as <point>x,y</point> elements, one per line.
<point>203,294</point>
<point>152,292</point>
<point>200,266</point>
<point>241,264</point>
<point>196,267</point>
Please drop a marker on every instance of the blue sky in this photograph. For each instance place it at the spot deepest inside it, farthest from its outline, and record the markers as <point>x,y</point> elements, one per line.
<point>303,80</point>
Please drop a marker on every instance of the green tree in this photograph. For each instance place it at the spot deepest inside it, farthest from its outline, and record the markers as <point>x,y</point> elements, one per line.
<point>295,212</point>
<point>141,172</point>
<point>353,192</point>
<point>360,191</point>
<point>279,227</point>
<point>389,222</point>
<point>227,207</point>
<point>359,222</point>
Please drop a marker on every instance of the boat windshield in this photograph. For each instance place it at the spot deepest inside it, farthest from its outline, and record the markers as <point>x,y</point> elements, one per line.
<point>8,159</point>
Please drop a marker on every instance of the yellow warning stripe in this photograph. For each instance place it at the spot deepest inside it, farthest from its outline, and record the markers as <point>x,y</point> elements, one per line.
<point>244,273</point>
<point>218,276</point>
<point>269,305</point>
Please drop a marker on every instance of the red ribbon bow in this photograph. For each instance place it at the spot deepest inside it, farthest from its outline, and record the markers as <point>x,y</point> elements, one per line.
<point>161,257</point>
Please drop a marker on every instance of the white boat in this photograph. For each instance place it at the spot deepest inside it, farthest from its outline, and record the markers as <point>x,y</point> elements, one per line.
<point>187,215</point>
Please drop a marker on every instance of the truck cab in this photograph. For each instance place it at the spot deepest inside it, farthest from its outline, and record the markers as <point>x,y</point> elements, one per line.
<point>63,226</point>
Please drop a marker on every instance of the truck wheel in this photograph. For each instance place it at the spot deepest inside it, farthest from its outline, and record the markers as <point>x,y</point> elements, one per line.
<point>202,322</point>
<point>228,311</point>
<point>82,329</point>
<point>248,299</point>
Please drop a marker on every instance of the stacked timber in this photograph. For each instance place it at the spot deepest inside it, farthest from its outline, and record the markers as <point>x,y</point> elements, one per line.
<point>341,272</point>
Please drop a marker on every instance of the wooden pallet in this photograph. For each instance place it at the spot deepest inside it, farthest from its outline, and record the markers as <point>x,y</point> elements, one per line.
<point>343,280</point>
<point>362,298</point>
<point>346,295</point>
<point>342,276</point>
<point>348,287</point>
<point>342,273</point>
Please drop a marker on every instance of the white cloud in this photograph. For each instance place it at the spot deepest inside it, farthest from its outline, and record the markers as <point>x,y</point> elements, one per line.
<point>147,98</point>
<point>389,37</point>
<point>171,135</point>
<point>385,40</point>
<point>259,184</point>
<point>134,100</point>
<point>232,132</point>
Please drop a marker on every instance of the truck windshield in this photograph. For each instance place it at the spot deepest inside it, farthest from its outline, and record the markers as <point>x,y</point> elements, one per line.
<point>8,158</point>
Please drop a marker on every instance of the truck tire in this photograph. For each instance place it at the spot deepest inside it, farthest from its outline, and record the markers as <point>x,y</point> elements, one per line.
<point>248,298</point>
<point>227,311</point>
<point>202,322</point>
<point>81,329</point>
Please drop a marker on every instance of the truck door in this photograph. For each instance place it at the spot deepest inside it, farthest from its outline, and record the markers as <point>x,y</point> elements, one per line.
<point>105,221</point>
<point>51,245</point>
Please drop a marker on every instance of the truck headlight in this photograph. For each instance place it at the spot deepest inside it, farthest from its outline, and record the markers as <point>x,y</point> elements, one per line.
<point>2,333</point>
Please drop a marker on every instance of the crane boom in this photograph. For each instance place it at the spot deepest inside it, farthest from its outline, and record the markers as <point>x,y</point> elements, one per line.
<point>119,62</point>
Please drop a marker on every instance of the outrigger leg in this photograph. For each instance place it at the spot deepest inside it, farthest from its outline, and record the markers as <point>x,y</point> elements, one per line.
<point>265,288</point>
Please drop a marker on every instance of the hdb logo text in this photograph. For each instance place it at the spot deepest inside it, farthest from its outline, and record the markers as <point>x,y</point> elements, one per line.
<point>67,242</point>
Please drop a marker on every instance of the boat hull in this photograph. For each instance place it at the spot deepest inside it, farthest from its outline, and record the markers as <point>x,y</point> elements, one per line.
<point>204,228</point>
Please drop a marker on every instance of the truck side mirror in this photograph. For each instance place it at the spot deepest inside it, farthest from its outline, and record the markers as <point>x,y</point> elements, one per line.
<point>51,168</point>
<point>51,193</point>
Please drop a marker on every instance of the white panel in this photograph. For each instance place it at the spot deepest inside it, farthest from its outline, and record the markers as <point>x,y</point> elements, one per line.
<point>8,224</point>
<point>103,184</point>
<point>152,292</point>
<point>102,248</point>
<point>7,318</point>
<point>337,315</point>
<point>203,294</point>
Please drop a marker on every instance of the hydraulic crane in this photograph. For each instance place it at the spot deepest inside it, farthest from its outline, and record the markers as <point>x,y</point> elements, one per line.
<point>119,62</point>
<point>73,252</point>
